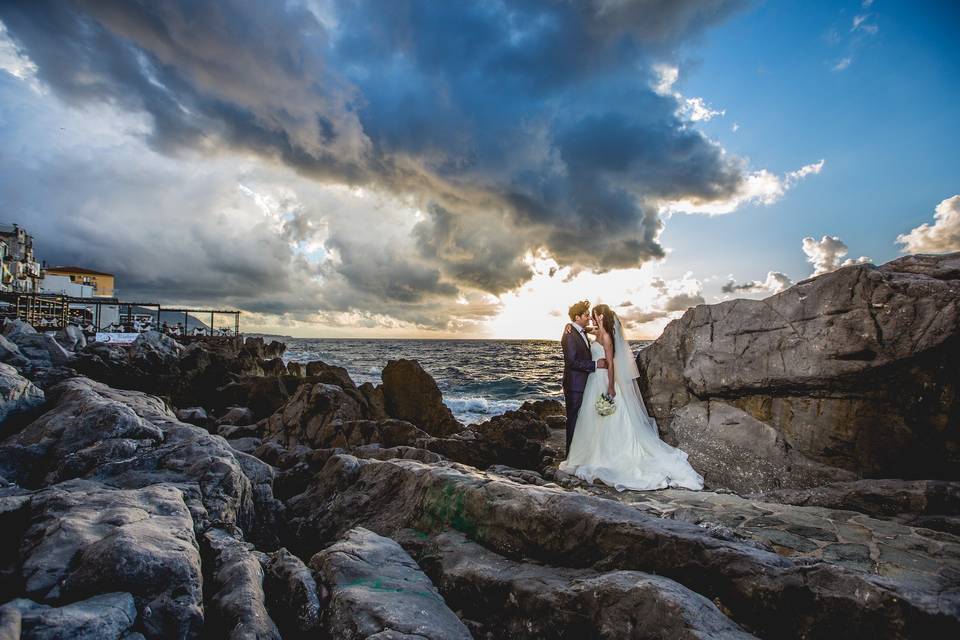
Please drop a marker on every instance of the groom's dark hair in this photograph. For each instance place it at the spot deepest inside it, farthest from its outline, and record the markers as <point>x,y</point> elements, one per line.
<point>578,309</point>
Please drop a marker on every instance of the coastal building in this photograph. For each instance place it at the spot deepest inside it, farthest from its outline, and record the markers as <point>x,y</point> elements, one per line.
<point>18,260</point>
<point>101,282</point>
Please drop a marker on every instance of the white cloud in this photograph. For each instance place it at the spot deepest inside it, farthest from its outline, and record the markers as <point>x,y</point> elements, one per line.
<point>775,283</point>
<point>17,63</point>
<point>860,24</point>
<point>940,237</point>
<point>843,63</point>
<point>667,76</point>
<point>759,187</point>
<point>697,110</point>
<point>735,127</point>
<point>826,254</point>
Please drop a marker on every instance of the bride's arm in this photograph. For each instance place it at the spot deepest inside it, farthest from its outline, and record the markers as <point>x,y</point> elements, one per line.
<point>608,354</point>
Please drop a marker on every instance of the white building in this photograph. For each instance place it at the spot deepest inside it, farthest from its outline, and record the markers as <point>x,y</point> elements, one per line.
<point>64,286</point>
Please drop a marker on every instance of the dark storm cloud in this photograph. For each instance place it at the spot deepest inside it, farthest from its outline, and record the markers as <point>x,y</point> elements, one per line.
<point>515,126</point>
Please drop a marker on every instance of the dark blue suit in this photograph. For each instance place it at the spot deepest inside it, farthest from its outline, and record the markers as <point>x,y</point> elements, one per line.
<point>577,365</point>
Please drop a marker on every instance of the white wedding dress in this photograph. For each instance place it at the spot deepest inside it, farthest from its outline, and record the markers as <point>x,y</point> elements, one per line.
<point>624,449</point>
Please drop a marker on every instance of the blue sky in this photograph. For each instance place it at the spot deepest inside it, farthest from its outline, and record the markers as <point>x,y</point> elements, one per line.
<point>415,168</point>
<point>886,125</point>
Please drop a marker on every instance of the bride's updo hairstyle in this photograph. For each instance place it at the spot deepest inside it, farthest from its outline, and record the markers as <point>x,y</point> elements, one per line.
<point>606,316</point>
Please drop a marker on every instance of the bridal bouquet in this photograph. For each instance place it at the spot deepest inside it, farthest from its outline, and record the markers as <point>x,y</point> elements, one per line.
<point>605,405</point>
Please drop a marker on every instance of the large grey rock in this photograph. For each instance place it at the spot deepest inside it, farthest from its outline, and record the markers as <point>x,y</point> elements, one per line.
<point>513,599</point>
<point>17,394</point>
<point>411,394</point>
<point>85,538</point>
<point>378,591</point>
<point>770,594</point>
<point>15,326</point>
<point>237,604</point>
<point>733,450</point>
<point>855,368</point>
<point>41,350</point>
<point>10,353</point>
<point>110,616</point>
<point>311,411</point>
<point>71,338</point>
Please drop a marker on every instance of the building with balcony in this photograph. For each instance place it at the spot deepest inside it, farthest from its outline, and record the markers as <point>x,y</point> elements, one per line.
<point>100,282</point>
<point>21,270</point>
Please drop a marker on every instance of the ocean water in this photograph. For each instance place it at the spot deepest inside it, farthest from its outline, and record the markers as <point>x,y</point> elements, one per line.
<point>478,378</point>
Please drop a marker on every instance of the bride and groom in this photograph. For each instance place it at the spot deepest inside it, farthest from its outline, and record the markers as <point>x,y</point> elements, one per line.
<point>622,449</point>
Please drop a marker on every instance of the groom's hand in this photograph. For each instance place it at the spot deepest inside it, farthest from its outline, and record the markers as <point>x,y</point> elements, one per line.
<point>602,363</point>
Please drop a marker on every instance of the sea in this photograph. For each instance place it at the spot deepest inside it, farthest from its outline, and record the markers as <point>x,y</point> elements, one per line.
<point>479,379</point>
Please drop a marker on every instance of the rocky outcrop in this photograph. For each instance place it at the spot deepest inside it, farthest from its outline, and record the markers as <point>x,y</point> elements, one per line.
<point>550,411</point>
<point>294,598</point>
<point>854,369</point>
<point>767,593</point>
<point>411,394</point>
<point>10,354</point>
<point>358,570</point>
<point>17,394</point>
<point>503,598</point>
<point>71,338</point>
<point>110,616</point>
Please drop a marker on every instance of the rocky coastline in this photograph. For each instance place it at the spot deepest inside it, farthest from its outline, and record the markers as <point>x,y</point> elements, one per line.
<point>216,491</point>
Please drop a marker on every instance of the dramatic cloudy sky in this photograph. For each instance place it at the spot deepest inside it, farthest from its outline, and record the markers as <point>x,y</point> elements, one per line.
<point>407,168</point>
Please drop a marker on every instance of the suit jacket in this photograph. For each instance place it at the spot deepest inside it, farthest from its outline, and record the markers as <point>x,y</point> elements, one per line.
<point>577,361</point>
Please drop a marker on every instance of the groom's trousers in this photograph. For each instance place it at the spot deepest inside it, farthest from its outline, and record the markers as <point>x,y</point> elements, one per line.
<point>572,400</point>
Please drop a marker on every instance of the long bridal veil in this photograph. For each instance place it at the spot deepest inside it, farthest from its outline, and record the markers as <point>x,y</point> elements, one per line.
<point>625,374</point>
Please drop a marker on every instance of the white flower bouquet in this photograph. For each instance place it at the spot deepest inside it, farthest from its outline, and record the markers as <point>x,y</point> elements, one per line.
<point>606,405</point>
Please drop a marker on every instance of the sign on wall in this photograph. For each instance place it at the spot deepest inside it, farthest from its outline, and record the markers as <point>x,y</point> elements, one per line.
<point>117,338</point>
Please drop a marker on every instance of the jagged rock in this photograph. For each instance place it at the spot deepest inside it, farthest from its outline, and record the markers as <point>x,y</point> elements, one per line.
<point>245,445</point>
<point>104,617</point>
<point>237,416</point>
<point>519,600</point>
<point>10,354</point>
<point>237,606</point>
<point>310,413</point>
<point>358,570</point>
<point>71,338</point>
<point>292,595</point>
<point>375,402</point>
<point>14,518</point>
<point>10,623</point>
<point>41,350</point>
<point>274,367</point>
<point>262,395</point>
<point>15,326</point>
<point>295,369</point>
<point>85,538</point>
<point>855,368</point>
<point>770,594</point>
<point>329,374</point>
<point>263,523</point>
<point>411,394</point>
<point>17,394</point>
<point>733,450</point>
<point>234,431</point>
<point>262,350</point>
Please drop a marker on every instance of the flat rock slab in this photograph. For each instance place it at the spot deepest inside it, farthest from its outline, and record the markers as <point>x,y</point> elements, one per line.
<point>913,558</point>
<point>517,600</point>
<point>772,594</point>
<point>378,591</point>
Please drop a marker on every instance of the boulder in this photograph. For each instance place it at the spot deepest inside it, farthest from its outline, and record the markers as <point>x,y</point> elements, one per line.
<point>735,451</point>
<point>855,368</point>
<point>110,616</point>
<point>358,570</point>
<point>375,402</point>
<point>511,599</point>
<point>295,369</point>
<point>71,338</point>
<point>194,415</point>
<point>237,416</point>
<point>411,394</point>
<point>311,413</point>
<point>41,350</point>
<point>770,594</point>
<point>14,326</point>
<point>329,374</point>
<point>292,595</point>
<point>85,538</point>
<point>237,604</point>
<point>17,394</point>
<point>10,354</point>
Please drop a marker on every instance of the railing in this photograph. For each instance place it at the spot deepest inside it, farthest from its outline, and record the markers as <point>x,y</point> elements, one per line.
<point>43,312</point>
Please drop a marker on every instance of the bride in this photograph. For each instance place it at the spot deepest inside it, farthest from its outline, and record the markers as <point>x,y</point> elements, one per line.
<point>624,449</point>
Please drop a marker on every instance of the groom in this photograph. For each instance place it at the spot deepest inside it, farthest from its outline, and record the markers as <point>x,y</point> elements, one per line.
<point>577,363</point>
